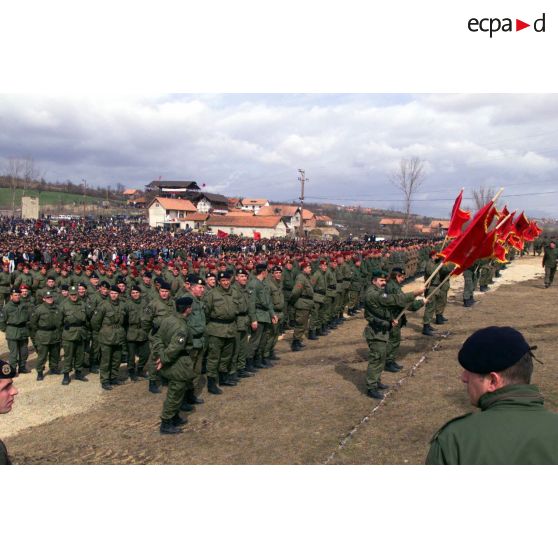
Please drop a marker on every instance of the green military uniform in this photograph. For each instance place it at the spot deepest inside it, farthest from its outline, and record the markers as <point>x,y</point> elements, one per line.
<point>379,308</point>
<point>261,299</point>
<point>320,310</point>
<point>173,342</point>
<point>303,299</point>
<point>5,286</point>
<point>549,263</point>
<point>513,428</point>
<point>74,334</point>
<point>197,326</point>
<point>14,321</point>
<point>331,295</point>
<point>136,338</point>
<point>220,311</point>
<point>46,325</point>
<point>278,302</point>
<point>288,277</point>
<point>155,310</point>
<point>24,279</point>
<point>244,318</point>
<point>434,301</point>
<point>108,319</point>
<point>394,288</point>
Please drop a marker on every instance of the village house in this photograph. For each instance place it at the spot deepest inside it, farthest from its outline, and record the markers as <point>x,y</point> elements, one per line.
<point>211,203</point>
<point>250,226</point>
<point>169,213</point>
<point>440,227</point>
<point>173,188</point>
<point>253,204</point>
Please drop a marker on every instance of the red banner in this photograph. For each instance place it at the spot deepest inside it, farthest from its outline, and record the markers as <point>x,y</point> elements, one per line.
<point>222,234</point>
<point>458,218</point>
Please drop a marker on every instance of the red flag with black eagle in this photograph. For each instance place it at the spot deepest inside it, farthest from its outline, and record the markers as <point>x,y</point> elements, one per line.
<point>458,217</point>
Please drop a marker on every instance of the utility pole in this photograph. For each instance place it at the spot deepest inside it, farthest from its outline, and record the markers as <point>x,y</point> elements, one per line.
<point>302,178</point>
<point>84,188</point>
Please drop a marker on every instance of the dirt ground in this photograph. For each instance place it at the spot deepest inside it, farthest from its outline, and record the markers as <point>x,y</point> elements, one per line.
<point>310,408</point>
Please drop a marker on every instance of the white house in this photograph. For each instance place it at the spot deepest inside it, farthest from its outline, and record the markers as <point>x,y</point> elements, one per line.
<point>211,203</point>
<point>250,226</point>
<point>169,212</point>
<point>253,204</point>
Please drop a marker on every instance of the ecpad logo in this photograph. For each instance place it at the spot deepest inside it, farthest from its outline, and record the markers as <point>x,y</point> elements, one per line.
<point>493,25</point>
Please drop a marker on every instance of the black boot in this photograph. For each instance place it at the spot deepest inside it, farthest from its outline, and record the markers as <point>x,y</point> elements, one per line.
<point>444,319</point>
<point>212,387</point>
<point>226,380</point>
<point>273,356</point>
<point>257,364</point>
<point>426,330</point>
<point>66,379</point>
<point>79,376</point>
<point>40,377</point>
<point>177,420</point>
<point>192,398</point>
<point>390,367</point>
<point>243,373</point>
<point>141,373</point>
<point>295,345</point>
<point>439,320</point>
<point>324,330</point>
<point>106,385</point>
<point>312,335</point>
<point>332,324</point>
<point>167,427</point>
<point>375,394</point>
<point>250,365</point>
<point>154,387</point>
<point>186,407</point>
<point>132,374</point>
<point>266,363</point>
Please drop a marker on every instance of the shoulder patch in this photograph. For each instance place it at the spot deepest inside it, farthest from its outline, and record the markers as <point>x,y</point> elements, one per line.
<point>455,419</point>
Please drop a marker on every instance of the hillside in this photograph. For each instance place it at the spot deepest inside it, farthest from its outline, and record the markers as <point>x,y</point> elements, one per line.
<point>45,198</point>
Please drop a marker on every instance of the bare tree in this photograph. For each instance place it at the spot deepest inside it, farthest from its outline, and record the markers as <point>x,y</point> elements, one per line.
<point>14,172</point>
<point>482,196</point>
<point>408,179</point>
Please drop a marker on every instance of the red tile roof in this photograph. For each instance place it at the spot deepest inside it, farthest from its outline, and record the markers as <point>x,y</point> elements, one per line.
<point>177,205</point>
<point>254,221</point>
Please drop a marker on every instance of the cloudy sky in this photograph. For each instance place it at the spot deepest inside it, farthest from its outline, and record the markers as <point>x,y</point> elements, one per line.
<point>252,145</point>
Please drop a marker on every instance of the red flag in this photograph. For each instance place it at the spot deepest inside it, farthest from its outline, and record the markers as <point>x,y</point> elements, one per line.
<point>490,217</point>
<point>515,241</point>
<point>221,234</point>
<point>532,232</point>
<point>521,225</point>
<point>458,218</point>
<point>257,235</point>
<point>500,252</point>
<point>506,228</point>
<point>473,243</point>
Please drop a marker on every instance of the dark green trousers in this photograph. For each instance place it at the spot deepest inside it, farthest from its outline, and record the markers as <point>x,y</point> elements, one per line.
<point>240,351</point>
<point>220,351</point>
<point>393,344</point>
<point>110,362</point>
<point>139,350</point>
<point>258,339</point>
<point>51,353</point>
<point>179,378</point>
<point>19,353</point>
<point>376,359</point>
<point>73,356</point>
<point>301,323</point>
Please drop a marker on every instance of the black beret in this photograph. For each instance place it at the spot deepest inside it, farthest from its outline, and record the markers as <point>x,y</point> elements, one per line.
<point>195,280</point>
<point>164,285</point>
<point>82,284</point>
<point>379,274</point>
<point>135,288</point>
<point>94,276</point>
<point>261,267</point>
<point>105,284</point>
<point>114,289</point>
<point>242,271</point>
<point>147,274</point>
<point>182,303</point>
<point>398,270</point>
<point>64,287</point>
<point>15,290</point>
<point>224,275</point>
<point>276,268</point>
<point>210,274</point>
<point>492,349</point>
<point>120,279</point>
<point>6,371</point>
<point>158,280</point>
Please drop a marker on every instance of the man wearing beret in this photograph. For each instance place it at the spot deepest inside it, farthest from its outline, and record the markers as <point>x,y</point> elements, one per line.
<point>173,343</point>
<point>46,327</point>
<point>549,263</point>
<point>512,427</point>
<point>378,312</point>
<point>108,319</point>
<point>220,311</point>
<point>14,321</point>
<point>7,394</point>
<point>136,336</point>
<point>303,298</point>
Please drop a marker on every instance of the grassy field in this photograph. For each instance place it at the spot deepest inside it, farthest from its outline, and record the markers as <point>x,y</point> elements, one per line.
<point>45,198</point>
